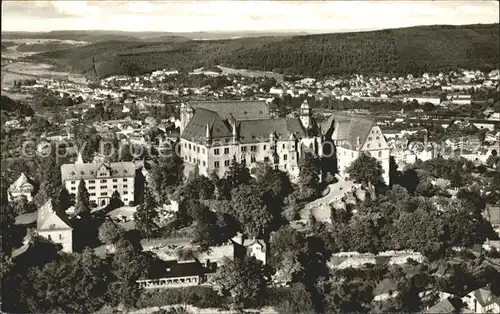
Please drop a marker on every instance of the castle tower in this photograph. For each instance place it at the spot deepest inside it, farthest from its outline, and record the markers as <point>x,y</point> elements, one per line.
<point>305,115</point>
<point>208,135</point>
<point>186,113</point>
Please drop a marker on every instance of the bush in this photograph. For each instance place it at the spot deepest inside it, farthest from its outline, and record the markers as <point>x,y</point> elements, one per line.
<point>201,297</point>
<point>293,299</point>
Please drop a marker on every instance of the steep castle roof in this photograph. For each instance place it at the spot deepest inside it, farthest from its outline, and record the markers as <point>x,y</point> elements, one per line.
<point>92,170</point>
<point>48,218</point>
<point>348,129</point>
<point>240,110</point>
<point>251,119</point>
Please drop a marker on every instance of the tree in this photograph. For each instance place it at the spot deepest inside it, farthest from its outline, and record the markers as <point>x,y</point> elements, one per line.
<point>308,177</point>
<point>166,175</point>
<point>75,284</point>
<point>82,207</point>
<point>346,296</point>
<point>146,214</point>
<point>64,199</point>
<point>129,265</point>
<point>237,173</point>
<point>250,210</point>
<point>241,280</point>
<point>50,179</point>
<point>422,232</point>
<point>366,170</point>
<point>110,232</point>
<point>205,234</point>
<point>115,200</point>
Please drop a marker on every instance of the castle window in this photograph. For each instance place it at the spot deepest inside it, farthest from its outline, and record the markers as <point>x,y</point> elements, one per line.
<point>73,182</point>
<point>125,192</point>
<point>189,146</point>
<point>377,137</point>
<point>252,158</point>
<point>243,148</point>
<point>92,194</point>
<point>216,151</point>
<point>91,187</point>
<point>367,145</point>
<point>103,187</point>
<point>197,149</point>
<point>204,163</point>
<point>253,148</point>
<point>216,164</point>
<point>124,180</point>
<point>226,151</point>
<point>104,193</point>
<point>103,181</point>
<point>283,146</point>
<point>203,150</point>
<point>125,186</point>
<point>73,188</point>
<point>115,180</point>
<point>91,181</point>
<point>369,138</point>
<point>264,147</point>
<point>285,157</point>
<point>115,186</point>
<point>226,163</point>
<point>266,159</point>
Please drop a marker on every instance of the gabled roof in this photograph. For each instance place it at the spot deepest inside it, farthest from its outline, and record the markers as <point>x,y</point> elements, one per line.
<point>47,212</point>
<point>240,110</point>
<point>20,182</point>
<point>493,214</point>
<point>445,306</point>
<point>90,170</point>
<point>259,130</point>
<point>485,297</point>
<point>349,128</point>
<point>195,130</point>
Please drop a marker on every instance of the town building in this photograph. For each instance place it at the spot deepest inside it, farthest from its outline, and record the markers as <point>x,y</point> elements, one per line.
<point>482,300</point>
<point>21,187</point>
<point>249,247</point>
<point>353,136</point>
<point>53,225</point>
<point>213,133</point>
<point>101,179</point>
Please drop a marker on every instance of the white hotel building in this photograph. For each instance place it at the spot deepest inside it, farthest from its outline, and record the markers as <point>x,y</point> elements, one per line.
<point>101,180</point>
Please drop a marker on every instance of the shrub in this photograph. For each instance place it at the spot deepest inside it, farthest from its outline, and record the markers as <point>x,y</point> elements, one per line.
<point>201,297</point>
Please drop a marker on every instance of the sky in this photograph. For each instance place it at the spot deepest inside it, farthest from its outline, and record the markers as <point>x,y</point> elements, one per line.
<point>192,16</point>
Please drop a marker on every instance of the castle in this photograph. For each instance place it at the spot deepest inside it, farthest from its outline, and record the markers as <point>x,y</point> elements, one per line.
<point>213,133</point>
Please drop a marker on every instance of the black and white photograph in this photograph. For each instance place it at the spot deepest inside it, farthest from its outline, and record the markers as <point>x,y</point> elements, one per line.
<point>260,157</point>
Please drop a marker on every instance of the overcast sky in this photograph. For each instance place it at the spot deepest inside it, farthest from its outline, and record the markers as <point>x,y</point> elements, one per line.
<point>180,16</point>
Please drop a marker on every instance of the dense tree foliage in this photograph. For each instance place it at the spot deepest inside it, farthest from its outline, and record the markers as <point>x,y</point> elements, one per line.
<point>145,217</point>
<point>82,206</point>
<point>242,281</point>
<point>366,170</point>
<point>409,50</point>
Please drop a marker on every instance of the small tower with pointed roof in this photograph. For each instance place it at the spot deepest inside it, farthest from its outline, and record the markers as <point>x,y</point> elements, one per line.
<point>305,115</point>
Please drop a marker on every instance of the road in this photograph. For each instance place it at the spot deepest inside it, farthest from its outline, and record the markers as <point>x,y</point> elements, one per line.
<point>320,207</point>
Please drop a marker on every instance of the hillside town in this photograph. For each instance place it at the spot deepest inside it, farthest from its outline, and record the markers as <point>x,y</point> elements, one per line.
<point>225,190</point>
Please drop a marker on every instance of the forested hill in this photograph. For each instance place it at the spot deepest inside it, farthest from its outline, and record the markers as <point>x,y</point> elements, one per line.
<point>398,51</point>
